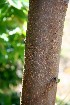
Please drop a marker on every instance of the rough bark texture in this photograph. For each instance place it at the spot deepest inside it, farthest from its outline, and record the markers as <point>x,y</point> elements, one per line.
<point>43,43</point>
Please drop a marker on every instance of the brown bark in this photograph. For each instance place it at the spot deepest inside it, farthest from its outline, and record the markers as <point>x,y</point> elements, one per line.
<point>43,43</point>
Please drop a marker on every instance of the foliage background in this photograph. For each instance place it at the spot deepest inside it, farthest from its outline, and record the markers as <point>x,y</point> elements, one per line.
<point>13,23</point>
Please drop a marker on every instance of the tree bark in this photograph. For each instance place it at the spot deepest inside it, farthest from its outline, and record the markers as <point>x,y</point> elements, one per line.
<point>43,44</point>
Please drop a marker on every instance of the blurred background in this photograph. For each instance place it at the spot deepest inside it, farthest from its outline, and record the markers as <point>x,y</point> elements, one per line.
<point>63,90</point>
<point>13,24</point>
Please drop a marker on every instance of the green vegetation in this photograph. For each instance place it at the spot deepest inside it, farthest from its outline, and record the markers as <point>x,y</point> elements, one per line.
<point>13,19</point>
<point>13,22</point>
<point>60,101</point>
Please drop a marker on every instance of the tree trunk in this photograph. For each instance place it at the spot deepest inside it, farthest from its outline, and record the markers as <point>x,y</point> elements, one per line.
<point>43,43</point>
